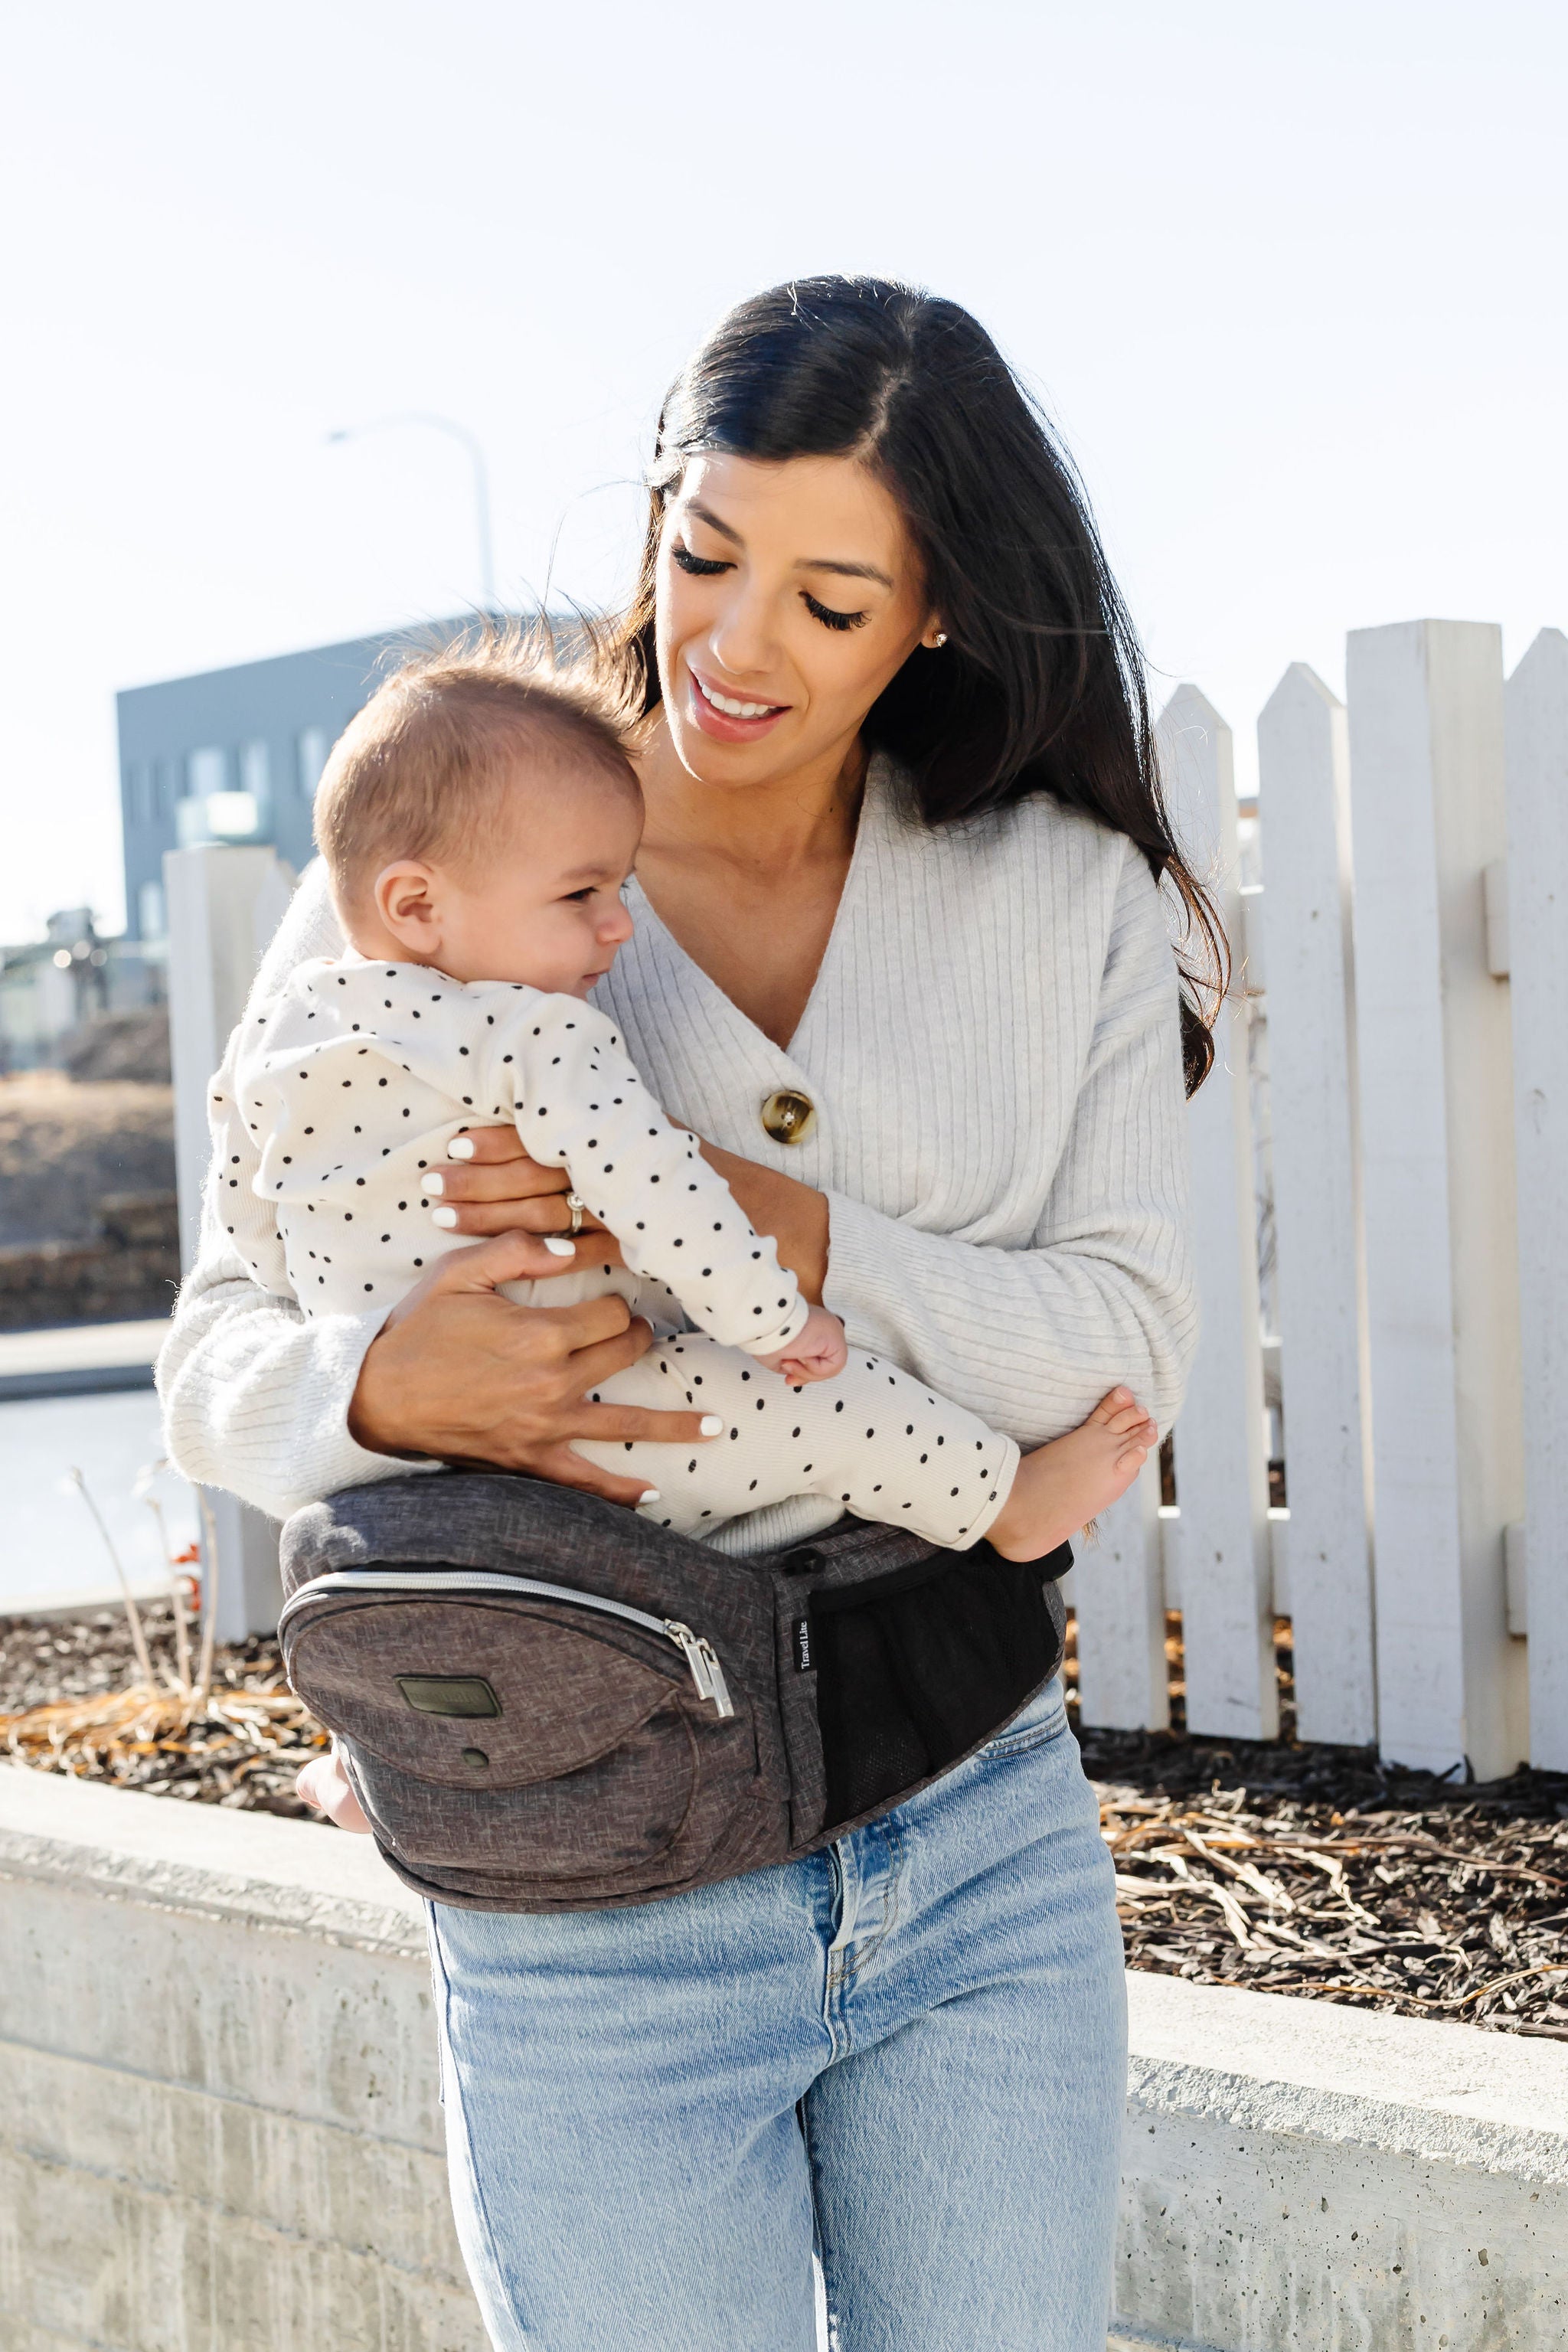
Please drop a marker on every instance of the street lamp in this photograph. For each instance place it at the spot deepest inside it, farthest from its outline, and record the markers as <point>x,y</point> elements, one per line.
<point>472,444</point>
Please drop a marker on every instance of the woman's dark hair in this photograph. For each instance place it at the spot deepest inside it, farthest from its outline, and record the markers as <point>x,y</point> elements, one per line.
<point>1040,685</point>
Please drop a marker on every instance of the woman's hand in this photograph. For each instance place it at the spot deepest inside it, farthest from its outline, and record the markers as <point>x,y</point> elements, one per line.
<point>491,1186</point>
<point>462,1374</point>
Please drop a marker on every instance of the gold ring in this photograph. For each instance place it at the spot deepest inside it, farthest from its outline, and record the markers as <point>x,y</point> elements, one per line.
<point>575,1202</point>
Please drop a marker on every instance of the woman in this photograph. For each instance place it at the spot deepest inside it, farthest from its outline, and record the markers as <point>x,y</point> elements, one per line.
<point>900,960</point>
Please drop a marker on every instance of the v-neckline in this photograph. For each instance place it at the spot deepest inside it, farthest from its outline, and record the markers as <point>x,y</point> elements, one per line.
<point>647,913</point>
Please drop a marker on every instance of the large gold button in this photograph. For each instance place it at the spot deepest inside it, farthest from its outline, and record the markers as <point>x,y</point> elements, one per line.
<point>789,1115</point>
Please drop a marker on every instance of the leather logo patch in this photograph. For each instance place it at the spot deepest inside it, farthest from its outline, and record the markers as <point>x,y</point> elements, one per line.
<point>460,1695</point>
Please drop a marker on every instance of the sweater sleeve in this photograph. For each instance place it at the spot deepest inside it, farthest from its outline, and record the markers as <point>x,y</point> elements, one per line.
<point>255,1398</point>
<point>582,1106</point>
<point>1104,1294</point>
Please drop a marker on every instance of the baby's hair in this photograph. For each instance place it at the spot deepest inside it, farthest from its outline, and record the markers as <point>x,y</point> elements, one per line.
<point>427,760</point>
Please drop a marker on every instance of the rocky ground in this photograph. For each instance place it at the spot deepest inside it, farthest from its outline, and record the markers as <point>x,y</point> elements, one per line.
<point>1284,1868</point>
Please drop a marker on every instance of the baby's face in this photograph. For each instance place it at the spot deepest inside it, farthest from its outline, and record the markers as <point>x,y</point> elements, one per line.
<point>541,902</point>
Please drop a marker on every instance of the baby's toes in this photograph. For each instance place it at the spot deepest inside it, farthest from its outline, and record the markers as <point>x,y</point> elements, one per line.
<point>1110,1407</point>
<point>1131,1417</point>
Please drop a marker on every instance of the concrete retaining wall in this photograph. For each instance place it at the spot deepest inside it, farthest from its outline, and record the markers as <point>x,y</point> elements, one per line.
<point>1301,2178</point>
<point>220,2125</point>
<point>219,2129</point>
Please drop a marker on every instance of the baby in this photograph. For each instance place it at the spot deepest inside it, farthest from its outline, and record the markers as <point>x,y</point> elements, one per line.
<point>480,819</point>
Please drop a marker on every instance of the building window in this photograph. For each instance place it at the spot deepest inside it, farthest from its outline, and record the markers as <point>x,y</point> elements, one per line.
<point>206,772</point>
<point>313,755</point>
<point>150,911</point>
<point>255,772</point>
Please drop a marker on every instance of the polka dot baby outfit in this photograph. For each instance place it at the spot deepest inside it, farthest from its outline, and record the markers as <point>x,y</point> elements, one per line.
<point>351,1084</point>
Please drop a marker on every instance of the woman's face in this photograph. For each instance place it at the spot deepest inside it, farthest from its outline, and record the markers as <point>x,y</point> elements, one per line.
<point>789,593</point>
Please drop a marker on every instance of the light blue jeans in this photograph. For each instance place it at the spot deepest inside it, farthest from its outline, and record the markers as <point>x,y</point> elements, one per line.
<point>909,2049</point>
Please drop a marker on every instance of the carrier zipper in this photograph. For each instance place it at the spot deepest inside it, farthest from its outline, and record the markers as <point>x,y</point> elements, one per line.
<point>702,1664</point>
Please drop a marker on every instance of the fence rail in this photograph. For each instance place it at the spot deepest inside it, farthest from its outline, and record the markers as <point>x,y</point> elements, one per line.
<point>1407,959</point>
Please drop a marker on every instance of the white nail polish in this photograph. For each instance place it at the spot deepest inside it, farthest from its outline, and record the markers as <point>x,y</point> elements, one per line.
<point>652,1495</point>
<point>460,1148</point>
<point>448,1217</point>
<point>432,1183</point>
<point>558,1246</point>
<point>710,1425</point>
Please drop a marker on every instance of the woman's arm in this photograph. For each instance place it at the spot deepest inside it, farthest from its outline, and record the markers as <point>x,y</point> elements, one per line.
<point>1033,1338</point>
<point>793,1214</point>
<point>255,1398</point>
<point>281,1411</point>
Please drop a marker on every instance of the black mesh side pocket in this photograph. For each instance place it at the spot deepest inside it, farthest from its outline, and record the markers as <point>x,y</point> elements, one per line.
<point>916,1668</point>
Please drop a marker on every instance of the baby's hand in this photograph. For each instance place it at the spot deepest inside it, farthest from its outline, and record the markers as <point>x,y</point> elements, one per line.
<point>816,1352</point>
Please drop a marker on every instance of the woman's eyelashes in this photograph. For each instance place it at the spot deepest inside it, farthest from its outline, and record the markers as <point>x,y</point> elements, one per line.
<point>831,619</point>
<point>704,567</point>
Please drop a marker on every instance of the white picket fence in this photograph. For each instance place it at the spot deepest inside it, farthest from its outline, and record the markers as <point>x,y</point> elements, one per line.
<point>1401,1003</point>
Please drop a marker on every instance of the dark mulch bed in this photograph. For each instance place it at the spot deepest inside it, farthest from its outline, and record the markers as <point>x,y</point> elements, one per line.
<point>1319,1870</point>
<point>242,1748</point>
<point>1283,1868</point>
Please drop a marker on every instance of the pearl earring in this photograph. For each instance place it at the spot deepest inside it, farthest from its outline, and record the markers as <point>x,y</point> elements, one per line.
<point>941,639</point>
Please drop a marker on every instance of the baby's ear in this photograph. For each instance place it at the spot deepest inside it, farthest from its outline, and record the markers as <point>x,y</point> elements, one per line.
<point>407,899</point>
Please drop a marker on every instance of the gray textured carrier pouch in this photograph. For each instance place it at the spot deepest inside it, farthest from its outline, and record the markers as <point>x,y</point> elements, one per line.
<point>547,1704</point>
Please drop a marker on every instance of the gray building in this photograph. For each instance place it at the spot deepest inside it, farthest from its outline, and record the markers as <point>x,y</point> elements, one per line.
<point>234,755</point>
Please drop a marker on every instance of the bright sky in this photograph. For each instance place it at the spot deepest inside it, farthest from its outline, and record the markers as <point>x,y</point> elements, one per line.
<point>1290,278</point>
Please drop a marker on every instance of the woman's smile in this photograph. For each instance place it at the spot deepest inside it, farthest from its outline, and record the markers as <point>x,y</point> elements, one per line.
<point>730,718</point>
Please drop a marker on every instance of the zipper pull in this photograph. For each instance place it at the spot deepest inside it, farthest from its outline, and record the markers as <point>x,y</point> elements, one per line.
<point>706,1672</point>
<point>718,1689</point>
<point>691,1650</point>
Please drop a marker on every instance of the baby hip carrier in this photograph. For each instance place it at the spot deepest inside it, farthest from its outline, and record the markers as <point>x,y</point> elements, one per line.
<point>545,1703</point>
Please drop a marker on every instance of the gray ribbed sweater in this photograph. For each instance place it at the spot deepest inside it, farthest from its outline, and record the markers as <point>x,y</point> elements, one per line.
<point>991,1046</point>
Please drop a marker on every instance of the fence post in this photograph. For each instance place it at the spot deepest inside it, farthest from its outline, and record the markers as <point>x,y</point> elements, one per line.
<point>1436,1125</point>
<point>1222,1473</point>
<point>223,905</point>
<point>1303,753</point>
<point>1119,1598</point>
<point>1536,703</point>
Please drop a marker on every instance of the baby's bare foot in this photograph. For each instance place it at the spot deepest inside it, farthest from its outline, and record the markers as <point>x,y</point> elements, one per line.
<point>1060,1487</point>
